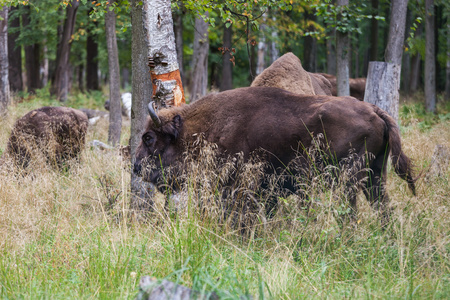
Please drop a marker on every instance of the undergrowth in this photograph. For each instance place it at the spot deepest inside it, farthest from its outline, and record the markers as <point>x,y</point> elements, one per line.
<point>69,234</point>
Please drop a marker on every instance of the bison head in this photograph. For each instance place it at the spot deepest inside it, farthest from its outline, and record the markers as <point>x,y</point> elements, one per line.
<point>159,147</point>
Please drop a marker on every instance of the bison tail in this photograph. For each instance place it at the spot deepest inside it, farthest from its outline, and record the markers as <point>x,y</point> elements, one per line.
<point>402,163</point>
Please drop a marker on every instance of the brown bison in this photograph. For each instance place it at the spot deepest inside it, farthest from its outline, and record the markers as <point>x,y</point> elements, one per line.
<point>287,73</point>
<point>357,86</point>
<point>57,133</point>
<point>281,125</point>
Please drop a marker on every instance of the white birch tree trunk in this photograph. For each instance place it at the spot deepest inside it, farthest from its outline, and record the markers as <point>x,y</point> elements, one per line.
<point>4,65</point>
<point>162,53</point>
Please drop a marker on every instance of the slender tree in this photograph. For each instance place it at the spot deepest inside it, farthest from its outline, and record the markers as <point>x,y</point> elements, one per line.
<point>227,66</point>
<point>331,52</point>
<point>32,54</point>
<point>343,57</point>
<point>14,53</point>
<point>60,82</point>
<point>447,68</point>
<point>374,33</point>
<point>178,31</point>
<point>4,80</point>
<point>141,91</point>
<point>115,112</point>
<point>92,56</point>
<point>430,57</point>
<point>310,46</point>
<point>199,76</point>
<point>383,82</point>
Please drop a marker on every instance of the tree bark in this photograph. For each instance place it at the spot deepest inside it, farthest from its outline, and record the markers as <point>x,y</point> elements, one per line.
<point>374,33</point>
<point>162,55</point>
<point>414,77</point>
<point>342,63</point>
<point>310,47</point>
<point>430,58</point>
<point>92,83</point>
<point>396,38</point>
<point>447,68</point>
<point>141,192</point>
<point>199,76</point>
<point>115,111</point>
<point>331,53</point>
<point>14,55</point>
<point>178,31</point>
<point>227,65</point>
<point>382,86</point>
<point>60,82</point>
<point>32,53</point>
<point>4,80</point>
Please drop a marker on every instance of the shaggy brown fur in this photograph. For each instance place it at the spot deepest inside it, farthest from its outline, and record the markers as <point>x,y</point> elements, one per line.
<point>288,74</point>
<point>58,133</point>
<point>283,124</point>
<point>357,86</point>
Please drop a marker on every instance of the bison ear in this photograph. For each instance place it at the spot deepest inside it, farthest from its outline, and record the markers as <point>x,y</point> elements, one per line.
<point>173,128</point>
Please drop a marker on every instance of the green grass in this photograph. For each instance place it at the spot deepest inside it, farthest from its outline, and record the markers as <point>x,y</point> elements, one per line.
<point>59,237</point>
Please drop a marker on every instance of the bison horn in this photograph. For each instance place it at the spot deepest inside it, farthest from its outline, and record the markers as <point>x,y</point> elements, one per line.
<point>153,115</point>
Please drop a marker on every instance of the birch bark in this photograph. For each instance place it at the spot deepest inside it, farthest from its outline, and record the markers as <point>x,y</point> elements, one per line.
<point>162,54</point>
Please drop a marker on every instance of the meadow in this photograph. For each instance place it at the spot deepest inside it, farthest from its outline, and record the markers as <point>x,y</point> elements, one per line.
<point>68,233</point>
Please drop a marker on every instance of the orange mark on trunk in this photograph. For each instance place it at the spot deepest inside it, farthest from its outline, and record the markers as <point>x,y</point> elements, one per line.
<point>178,91</point>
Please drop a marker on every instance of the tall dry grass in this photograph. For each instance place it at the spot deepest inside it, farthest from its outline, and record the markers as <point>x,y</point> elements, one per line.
<point>67,233</point>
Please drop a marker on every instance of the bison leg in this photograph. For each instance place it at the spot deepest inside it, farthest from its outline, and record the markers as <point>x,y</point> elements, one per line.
<point>375,188</point>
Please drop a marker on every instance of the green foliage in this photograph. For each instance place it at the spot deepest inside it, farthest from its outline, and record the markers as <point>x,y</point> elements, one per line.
<point>234,11</point>
<point>346,18</point>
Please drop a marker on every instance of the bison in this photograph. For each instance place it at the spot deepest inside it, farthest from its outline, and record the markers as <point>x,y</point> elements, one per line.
<point>357,86</point>
<point>57,133</point>
<point>282,125</point>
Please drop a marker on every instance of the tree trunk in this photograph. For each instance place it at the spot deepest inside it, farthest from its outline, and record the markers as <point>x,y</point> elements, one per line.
<point>374,33</point>
<point>92,83</point>
<point>44,66</point>
<point>178,31</point>
<point>430,58</point>
<point>274,53</point>
<point>199,76</point>
<point>343,54</point>
<point>14,55</point>
<point>331,53</point>
<point>310,47</point>
<point>406,60</point>
<point>162,55</point>
<point>32,53</point>
<point>447,69</point>
<point>414,77</point>
<point>4,80</point>
<point>227,65</point>
<point>141,192</point>
<point>396,38</point>
<point>60,82</point>
<point>382,86</point>
<point>115,111</point>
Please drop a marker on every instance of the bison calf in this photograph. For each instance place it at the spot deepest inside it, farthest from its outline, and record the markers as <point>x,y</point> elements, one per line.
<point>56,133</point>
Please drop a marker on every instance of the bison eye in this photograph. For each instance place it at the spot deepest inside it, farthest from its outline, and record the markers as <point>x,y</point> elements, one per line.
<point>147,139</point>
